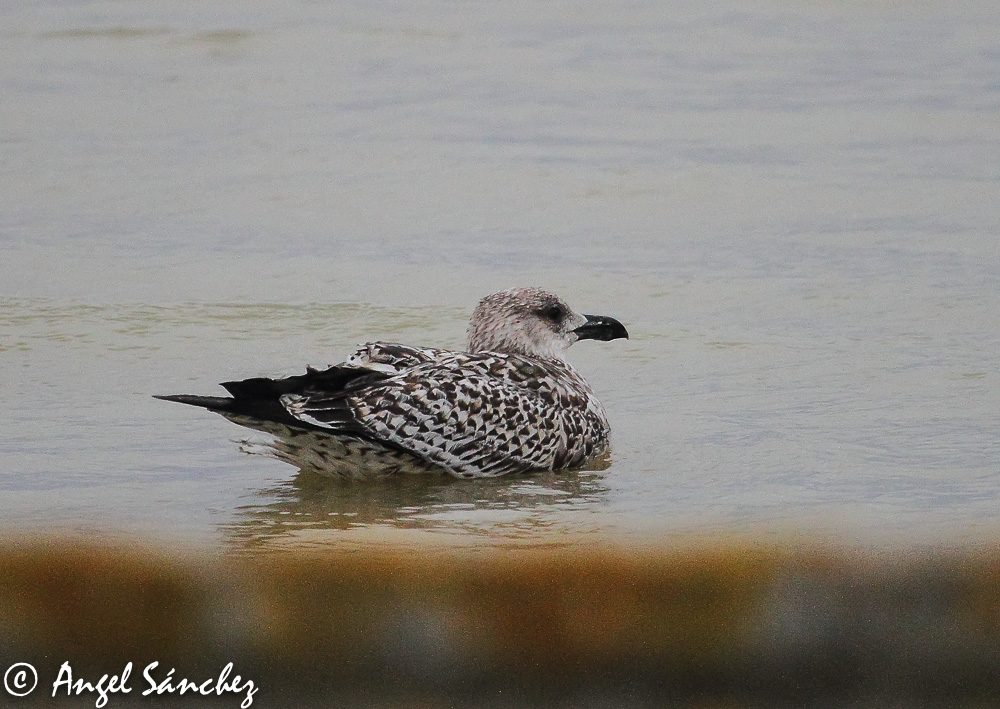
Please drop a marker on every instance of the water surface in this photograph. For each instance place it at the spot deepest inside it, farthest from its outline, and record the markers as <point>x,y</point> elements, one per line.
<point>791,206</point>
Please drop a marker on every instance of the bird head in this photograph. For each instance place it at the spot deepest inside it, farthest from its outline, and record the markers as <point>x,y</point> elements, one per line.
<point>531,321</point>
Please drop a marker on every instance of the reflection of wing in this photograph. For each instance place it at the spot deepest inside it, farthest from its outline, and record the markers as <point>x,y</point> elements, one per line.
<point>472,414</point>
<point>309,509</point>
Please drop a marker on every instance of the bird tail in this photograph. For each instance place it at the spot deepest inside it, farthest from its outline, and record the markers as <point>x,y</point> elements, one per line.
<point>261,398</point>
<point>262,409</point>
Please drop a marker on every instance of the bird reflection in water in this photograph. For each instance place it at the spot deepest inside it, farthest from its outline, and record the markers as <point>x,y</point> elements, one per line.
<point>313,510</point>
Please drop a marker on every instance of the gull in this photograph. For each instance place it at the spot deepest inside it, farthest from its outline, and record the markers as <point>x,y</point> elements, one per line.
<point>508,403</point>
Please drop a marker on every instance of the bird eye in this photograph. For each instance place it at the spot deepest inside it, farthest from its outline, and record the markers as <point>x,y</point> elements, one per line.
<point>554,313</point>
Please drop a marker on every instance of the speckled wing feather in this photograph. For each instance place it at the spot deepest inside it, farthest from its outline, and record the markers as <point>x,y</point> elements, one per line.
<point>481,414</point>
<point>392,357</point>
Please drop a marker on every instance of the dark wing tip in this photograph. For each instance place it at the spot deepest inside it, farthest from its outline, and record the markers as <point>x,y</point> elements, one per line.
<point>215,403</point>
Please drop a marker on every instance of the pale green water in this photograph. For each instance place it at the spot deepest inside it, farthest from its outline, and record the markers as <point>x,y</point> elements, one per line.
<point>792,207</point>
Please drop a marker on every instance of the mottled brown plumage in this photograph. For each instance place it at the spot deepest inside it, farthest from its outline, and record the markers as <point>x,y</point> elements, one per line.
<point>509,404</point>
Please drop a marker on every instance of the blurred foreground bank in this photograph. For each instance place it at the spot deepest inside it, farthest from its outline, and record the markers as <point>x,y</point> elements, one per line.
<point>708,625</point>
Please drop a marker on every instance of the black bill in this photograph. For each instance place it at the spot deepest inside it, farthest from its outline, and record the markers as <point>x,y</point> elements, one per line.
<point>601,327</point>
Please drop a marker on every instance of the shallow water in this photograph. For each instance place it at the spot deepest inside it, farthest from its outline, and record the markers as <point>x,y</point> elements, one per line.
<point>793,207</point>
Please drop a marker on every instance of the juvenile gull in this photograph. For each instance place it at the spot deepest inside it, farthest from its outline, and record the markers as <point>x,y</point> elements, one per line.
<point>509,403</point>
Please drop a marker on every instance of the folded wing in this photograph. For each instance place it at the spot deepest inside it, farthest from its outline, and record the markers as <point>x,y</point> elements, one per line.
<point>472,414</point>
